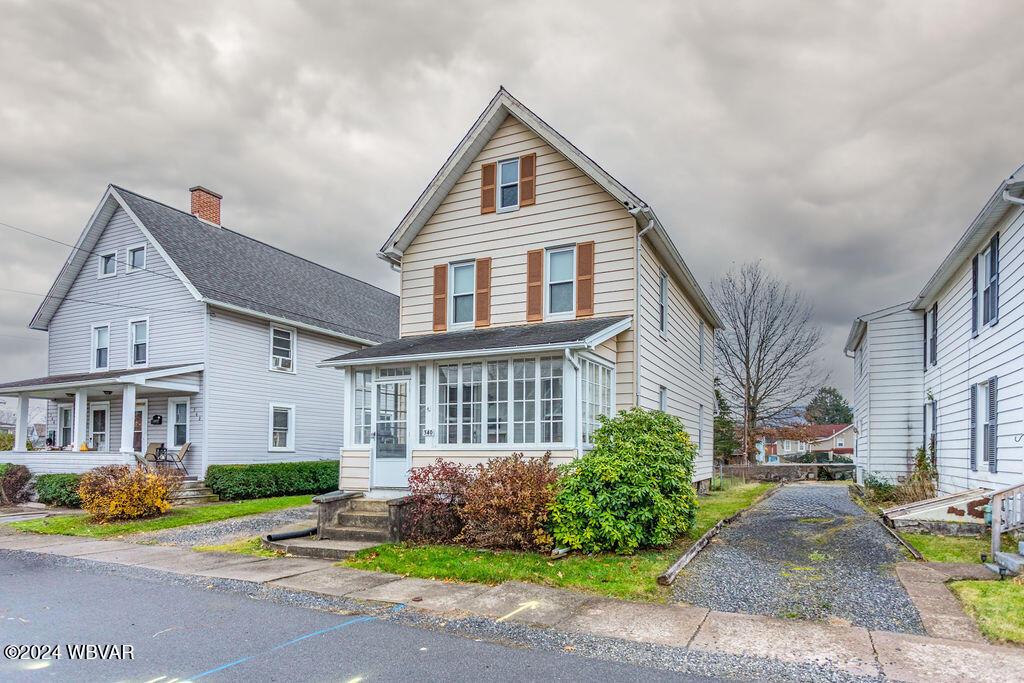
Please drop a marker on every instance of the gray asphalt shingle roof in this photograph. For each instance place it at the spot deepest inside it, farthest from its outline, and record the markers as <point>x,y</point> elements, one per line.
<point>85,376</point>
<point>565,333</point>
<point>231,268</point>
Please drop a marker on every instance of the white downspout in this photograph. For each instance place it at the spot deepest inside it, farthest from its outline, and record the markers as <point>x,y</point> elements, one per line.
<point>636,305</point>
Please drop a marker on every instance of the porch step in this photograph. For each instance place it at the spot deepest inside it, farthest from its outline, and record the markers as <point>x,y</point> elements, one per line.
<point>192,492</point>
<point>319,548</point>
<point>354,533</point>
<point>368,505</point>
<point>363,520</point>
<point>1012,562</point>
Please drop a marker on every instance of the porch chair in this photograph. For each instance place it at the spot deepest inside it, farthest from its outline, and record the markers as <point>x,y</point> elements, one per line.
<point>179,457</point>
<point>148,459</point>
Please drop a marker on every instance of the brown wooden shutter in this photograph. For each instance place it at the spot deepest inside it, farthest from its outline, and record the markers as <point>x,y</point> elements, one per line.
<point>584,279</point>
<point>483,292</point>
<point>441,297</point>
<point>528,179</point>
<point>535,285</point>
<point>488,175</point>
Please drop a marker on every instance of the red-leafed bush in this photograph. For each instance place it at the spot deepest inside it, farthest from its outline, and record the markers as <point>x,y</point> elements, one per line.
<point>507,504</point>
<point>13,483</point>
<point>438,493</point>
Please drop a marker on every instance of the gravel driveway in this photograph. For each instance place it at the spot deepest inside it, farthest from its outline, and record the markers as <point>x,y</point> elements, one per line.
<point>807,552</point>
<point>217,533</point>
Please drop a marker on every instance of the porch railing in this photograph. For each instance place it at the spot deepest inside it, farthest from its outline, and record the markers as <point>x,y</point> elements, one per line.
<point>1007,513</point>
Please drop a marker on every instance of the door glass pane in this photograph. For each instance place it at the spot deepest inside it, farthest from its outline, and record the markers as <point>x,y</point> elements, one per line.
<point>137,431</point>
<point>391,424</point>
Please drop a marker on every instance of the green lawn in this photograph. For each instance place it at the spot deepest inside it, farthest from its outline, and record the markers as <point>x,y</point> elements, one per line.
<point>79,525</point>
<point>948,548</point>
<point>632,577</point>
<point>997,606</point>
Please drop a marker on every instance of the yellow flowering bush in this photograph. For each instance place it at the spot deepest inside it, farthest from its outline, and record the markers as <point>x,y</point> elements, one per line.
<point>119,492</point>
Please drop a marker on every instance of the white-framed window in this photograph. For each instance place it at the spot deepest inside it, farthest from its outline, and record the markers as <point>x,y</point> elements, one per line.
<point>985,422</point>
<point>663,399</point>
<point>136,258</point>
<point>508,185</point>
<point>422,397</point>
<point>282,349</point>
<point>560,276</point>
<point>787,445</point>
<point>985,307</point>
<point>497,401</point>
<point>100,347</point>
<point>596,398</point>
<point>362,402</point>
<point>65,426</point>
<point>461,303</point>
<point>478,401</point>
<point>524,400</point>
<point>700,348</point>
<point>107,264</point>
<point>98,436</point>
<point>177,422</point>
<point>700,428</point>
<point>138,342</point>
<point>663,301</point>
<point>282,427</point>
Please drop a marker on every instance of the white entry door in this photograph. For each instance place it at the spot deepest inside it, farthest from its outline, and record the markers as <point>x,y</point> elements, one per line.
<point>391,435</point>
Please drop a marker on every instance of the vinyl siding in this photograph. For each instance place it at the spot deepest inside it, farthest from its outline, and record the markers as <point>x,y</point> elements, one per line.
<point>862,408</point>
<point>894,394</point>
<point>241,387</point>
<point>570,208</point>
<point>962,361</point>
<point>672,359</point>
<point>175,317</point>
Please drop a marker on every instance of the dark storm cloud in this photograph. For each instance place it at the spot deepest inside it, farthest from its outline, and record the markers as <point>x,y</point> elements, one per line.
<point>846,145</point>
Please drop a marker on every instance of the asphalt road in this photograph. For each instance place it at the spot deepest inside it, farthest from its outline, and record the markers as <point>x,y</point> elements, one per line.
<point>183,632</point>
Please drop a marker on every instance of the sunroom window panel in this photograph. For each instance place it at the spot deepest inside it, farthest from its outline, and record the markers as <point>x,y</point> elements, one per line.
<point>551,400</point>
<point>472,403</point>
<point>524,397</point>
<point>448,404</point>
<point>363,407</point>
<point>497,402</point>
<point>422,394</point>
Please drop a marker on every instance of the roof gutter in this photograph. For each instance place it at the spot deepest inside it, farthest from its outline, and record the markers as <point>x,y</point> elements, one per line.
<point>635,212</point>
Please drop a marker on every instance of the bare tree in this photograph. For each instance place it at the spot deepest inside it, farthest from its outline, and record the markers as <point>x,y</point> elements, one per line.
<point>768,352</point>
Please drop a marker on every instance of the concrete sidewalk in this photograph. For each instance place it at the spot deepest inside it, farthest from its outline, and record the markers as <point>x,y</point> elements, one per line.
<point>851,649</point>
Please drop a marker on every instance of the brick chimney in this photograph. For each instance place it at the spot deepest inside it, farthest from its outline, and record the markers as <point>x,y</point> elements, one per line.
<point>205,204</point>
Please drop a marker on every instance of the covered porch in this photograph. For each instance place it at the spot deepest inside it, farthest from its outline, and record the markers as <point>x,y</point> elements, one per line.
<point>106,418</point>
<point>470,396</point>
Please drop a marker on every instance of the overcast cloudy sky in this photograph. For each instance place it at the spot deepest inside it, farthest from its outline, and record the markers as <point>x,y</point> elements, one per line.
<point>847,145</point>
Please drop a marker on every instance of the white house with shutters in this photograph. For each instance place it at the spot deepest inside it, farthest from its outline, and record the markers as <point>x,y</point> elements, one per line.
<point>968,349</point>
<point>537,293</point>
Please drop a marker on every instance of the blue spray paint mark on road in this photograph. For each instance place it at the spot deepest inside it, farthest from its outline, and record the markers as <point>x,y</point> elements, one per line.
<point>322,631</point>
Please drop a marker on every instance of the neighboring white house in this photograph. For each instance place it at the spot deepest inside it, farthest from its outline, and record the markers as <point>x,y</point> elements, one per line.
<point>886,349</point>
<point>537,293</point>
<point>166,327</point>
<point>969,321</point>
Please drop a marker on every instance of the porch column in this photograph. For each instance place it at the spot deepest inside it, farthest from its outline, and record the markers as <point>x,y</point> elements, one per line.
<point>21,428</point>
<point>81,418</point>
<point>128,420</point>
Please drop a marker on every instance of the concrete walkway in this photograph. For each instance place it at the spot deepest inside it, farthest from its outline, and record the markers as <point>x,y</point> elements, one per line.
<point>851,650</point>
<point>807,552</point>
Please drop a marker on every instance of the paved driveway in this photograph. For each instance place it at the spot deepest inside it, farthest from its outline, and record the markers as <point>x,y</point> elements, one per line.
<point>808,552</point>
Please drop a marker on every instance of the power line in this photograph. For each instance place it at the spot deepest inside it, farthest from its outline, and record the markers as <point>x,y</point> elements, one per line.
<point>174,278</point>
<point>98,303</point>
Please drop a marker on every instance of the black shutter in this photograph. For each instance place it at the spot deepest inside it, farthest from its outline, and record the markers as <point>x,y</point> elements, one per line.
<point>974,427</point>
<point>933,442</point>
<point>994,279</point>
<point>924,427</point>
<point>924,338</point>
<point>935,333</point>
<point>993,420</point>
<point>974,296</point>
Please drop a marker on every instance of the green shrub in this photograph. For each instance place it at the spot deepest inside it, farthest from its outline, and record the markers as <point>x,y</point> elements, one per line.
<point>7,442</point>
<point>60,490</point>
<point>264,480</point>
<point>13,483</point>
<point>633,489</point>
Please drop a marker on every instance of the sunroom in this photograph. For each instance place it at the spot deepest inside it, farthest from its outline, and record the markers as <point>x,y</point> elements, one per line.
<point>470,396</point>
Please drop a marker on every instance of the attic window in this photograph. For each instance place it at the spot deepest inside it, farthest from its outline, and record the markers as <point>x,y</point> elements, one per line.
<point>508,185</point>
<point>108,264</point>
<point>136,259</point>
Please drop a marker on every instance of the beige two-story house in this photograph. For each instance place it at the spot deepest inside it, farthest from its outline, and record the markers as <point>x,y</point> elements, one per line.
<point>537,293</point>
